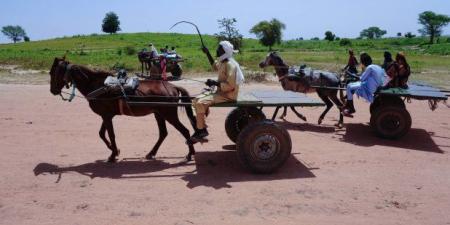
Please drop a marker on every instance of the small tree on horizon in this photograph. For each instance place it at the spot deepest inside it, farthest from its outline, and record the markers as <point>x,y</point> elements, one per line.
<point>329,36</point>
<point>372,32</point>
<point>409,35</point>
<point>229,32</point>
<point>269,33</point>
<point>432,24</point>
<point>111,23</point>
<point>15,33</point>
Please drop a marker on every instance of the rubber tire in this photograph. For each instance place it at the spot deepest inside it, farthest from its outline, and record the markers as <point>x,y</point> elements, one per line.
<point>177,71</point>
<point>401,115</point>
<point>386,101</point>
<point>236,121</point>
<point>247,139</point>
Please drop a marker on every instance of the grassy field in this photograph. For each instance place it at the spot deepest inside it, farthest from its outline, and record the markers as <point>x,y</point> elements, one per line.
<point>429,63</point>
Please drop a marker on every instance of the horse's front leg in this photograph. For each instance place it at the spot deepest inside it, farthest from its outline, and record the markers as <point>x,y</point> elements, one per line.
<point>107,122</point>
<point>328,104</point>
<point>172,117</point>
<point>162,135</point>
<point>301,116</point>
<point>339,104</point>
<point>284,112</point>
<point>102,134</point>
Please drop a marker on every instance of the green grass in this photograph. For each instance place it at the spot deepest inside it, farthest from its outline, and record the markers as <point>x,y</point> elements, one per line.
<point>105,51</point>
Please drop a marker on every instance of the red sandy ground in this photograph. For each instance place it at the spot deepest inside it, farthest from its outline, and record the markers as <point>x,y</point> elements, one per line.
<point>53,171</point>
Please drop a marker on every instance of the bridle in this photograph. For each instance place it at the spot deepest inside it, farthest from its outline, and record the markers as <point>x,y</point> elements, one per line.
<point>280,78</point>
<point>69,82</point>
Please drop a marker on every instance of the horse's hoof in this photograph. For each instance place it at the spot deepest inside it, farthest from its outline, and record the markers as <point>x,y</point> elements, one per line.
<point>188,158</point>
<point>112,160</point>
<point>339,125</point>
<point>319,121</point>
<point>304,119</point>
<point>150,157</point>
<point>281,117</point>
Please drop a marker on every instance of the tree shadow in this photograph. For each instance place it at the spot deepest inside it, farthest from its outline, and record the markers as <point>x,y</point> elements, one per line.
<point>219,169</point>
<point>415,139</point>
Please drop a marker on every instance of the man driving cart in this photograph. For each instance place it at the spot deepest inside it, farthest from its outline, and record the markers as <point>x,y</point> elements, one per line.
<point>229,78</point>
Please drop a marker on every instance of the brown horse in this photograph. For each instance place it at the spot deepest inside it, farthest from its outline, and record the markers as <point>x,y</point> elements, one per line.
<point>63,73</point>
<point>304,84</point>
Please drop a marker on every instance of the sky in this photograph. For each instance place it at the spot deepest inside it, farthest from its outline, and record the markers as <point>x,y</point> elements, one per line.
<point>44,19</point>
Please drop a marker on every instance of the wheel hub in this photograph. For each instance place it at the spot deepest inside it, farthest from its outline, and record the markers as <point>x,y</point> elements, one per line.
<point>391,122</point>
<point>265,147</point>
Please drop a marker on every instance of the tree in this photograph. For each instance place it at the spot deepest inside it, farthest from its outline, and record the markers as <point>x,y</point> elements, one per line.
<point>15,33</point>
<point>409,35</point>
<point>229,32</point>
<point>26,38</point>
<point>269,32</point>
<point>372,32</point>
<point>111,23</point>
<point>329,36</point>
<point>345,42</point>
<point>399,34</point>
<point>432,24</point>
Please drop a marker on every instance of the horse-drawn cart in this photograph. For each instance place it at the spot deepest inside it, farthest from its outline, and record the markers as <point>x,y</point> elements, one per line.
<point>389,117</point>
<point>262,145</point>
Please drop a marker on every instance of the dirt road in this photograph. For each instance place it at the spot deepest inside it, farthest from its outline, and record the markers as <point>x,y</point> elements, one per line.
<point>53,171</point>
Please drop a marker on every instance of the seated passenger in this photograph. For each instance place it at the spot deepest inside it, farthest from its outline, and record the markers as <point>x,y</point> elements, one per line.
<point>371,79</point>
<point>387,60</point>
<point>398,73</point>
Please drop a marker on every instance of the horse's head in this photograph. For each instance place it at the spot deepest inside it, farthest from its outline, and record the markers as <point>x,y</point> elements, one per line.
<point>58,77</point>
<point>272,59</point>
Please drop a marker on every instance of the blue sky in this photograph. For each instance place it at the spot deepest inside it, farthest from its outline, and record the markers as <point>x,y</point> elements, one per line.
<point>43,19</point>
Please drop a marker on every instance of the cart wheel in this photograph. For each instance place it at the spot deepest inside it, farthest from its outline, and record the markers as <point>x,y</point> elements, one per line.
<point>386,101</point>
<point>176,71</point>
<point>390,122</point>
<point>263,147</point>
<point>239,118</point>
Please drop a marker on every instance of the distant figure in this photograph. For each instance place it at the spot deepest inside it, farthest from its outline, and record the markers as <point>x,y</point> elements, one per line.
<point>371,79</point>
<point>387,60</point>
<point>154,52</point>
<point>164,50</point>
<point>352,62</point>
<point>173,51</point>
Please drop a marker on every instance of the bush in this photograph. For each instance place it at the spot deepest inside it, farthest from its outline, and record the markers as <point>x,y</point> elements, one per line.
<point>26,39</point>
<point>130,50</point>
<point>345,42</point>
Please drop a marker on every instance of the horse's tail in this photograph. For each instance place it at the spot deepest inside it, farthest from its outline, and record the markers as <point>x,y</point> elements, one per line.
<point>186,98</point>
